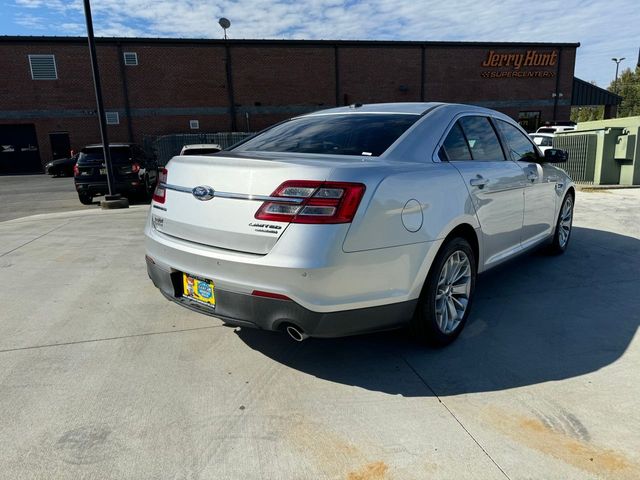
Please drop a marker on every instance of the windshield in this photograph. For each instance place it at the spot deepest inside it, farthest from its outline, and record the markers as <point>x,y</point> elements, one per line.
<point>542,141</point>
<point>95,154</point>
<point>347,134</point>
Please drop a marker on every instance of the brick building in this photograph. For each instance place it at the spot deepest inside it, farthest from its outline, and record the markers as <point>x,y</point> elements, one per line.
<point>166,86</point>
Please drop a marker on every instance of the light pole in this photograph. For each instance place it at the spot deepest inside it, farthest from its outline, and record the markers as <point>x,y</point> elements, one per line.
<point>615,84</point>
<point>111,200</point>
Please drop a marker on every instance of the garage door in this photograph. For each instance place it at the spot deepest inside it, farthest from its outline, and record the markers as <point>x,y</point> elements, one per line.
<point>19,149</point>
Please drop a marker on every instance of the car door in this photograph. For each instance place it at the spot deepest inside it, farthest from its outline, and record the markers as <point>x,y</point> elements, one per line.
<point>539,194</point>
<point>494,184</point>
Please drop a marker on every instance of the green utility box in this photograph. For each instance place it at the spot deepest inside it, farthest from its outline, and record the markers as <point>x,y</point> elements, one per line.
<point>604,152</point>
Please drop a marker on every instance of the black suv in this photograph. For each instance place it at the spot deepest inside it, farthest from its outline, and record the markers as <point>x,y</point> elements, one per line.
<point>135,172</point>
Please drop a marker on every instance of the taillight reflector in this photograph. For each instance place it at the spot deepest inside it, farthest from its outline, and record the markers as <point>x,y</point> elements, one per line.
<point>160,194</point>
<point>320,202</point>
<point>278,296</point>
<point>135,168</point>
<point>76,170</point>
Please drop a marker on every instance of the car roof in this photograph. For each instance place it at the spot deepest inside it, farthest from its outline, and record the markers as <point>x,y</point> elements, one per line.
<point>409,108</point>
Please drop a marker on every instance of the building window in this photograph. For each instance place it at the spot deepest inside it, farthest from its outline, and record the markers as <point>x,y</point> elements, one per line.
<point>530,121</point>
<point>194,124</point>
<point>43,67</point>
<point>130,58</point>
<point>112,118</point>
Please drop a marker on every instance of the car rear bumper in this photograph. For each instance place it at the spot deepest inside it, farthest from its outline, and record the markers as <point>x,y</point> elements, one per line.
<point>246,310</point>
<point>96,188</point>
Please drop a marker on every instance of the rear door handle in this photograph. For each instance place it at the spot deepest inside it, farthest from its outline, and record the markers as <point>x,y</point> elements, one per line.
<point>479,181</point>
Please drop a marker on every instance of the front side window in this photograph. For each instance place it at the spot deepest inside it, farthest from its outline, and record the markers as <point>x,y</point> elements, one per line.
<point>341,134</point>
<point>519,146</point>
<point>482,139</point>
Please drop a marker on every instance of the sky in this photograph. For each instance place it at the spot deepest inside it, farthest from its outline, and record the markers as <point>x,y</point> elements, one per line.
<point>605,29</point>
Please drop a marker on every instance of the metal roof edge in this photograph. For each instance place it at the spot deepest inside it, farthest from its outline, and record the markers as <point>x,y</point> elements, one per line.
<point>323,42</point>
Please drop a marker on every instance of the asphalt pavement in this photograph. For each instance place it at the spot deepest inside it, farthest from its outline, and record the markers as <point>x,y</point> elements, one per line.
<point>101,377</point>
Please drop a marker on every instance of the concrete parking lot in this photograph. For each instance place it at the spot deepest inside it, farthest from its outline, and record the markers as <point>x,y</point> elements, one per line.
<point>24,195</point>
<point>100,377</point>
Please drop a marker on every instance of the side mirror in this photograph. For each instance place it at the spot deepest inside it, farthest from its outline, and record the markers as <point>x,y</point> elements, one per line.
<point>555,155</point>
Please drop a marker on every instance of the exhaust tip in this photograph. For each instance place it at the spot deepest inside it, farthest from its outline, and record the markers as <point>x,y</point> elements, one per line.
<point>295,333</point>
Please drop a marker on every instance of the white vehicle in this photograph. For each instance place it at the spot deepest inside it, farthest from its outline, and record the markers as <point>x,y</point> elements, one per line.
<point>553,129</point>
<point>200,149</point>
<point>355,219</point>
<point>544,141</point>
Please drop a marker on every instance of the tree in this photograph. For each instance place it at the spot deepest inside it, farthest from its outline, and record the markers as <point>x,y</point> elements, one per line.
<point>587,113</point>
<point>628,88</point>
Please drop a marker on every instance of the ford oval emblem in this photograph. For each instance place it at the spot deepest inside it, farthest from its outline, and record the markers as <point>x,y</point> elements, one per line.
<point>203,192</point>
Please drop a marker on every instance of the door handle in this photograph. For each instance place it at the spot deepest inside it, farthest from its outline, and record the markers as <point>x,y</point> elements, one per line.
<point>479,181</point>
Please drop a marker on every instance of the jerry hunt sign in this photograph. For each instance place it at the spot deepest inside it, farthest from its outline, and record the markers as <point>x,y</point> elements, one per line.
<point>511,64</point>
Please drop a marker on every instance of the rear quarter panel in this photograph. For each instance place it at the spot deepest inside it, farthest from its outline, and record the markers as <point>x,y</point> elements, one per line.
<point>438,189</point>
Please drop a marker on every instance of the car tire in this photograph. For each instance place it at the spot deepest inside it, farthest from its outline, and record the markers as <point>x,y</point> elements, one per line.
<point>449,288</point>
<point>564,226</point>
<point>85,198</point>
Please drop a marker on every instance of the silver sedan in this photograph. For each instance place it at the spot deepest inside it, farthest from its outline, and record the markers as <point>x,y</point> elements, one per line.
<point>356,219</point>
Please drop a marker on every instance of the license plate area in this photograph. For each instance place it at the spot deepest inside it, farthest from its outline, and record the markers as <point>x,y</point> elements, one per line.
<point>198,289</point>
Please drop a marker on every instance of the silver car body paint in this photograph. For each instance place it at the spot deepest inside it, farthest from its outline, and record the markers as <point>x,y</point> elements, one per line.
<point>373,261</point>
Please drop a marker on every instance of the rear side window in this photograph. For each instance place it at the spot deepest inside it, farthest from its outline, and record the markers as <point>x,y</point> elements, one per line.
<point>518,144</point>
<point>482,139</point>
<point>455,146</point>
<point>542,141</point>
<point>200,151</point>
<point>347,134</point>
<point>95,154</point>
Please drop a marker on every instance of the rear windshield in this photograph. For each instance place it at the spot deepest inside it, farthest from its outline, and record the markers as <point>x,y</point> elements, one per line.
<point>546,130</point>
<point>348,134</point>
<point>200,151</point>
<point>95,154</point>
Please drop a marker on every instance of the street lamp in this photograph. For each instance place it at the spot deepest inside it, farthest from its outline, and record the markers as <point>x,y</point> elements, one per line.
<point>615,84</point>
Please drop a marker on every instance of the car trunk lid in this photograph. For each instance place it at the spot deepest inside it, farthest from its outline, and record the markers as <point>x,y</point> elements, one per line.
<point>239,183</point>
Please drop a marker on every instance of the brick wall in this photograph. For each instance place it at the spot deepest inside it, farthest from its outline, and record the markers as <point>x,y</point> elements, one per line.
<point>178,81</point>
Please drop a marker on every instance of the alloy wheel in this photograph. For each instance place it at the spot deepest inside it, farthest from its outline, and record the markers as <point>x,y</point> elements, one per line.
<point>566,217</point>
<point>452,292</point>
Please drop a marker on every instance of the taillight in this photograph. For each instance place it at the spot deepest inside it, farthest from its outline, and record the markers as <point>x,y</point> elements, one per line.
<point>160,194</point>
<point>76,170</point>
<point>317,202</point>
<point>135,168</point>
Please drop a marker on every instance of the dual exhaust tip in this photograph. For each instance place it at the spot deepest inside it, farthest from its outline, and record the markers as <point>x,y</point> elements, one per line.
<point>295,333</point>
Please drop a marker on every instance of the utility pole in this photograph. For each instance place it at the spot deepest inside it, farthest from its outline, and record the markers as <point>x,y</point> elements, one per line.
<point>111,200</point>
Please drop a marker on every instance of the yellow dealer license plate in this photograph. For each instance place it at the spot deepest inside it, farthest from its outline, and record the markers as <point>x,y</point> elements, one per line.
<point>198,289</point>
